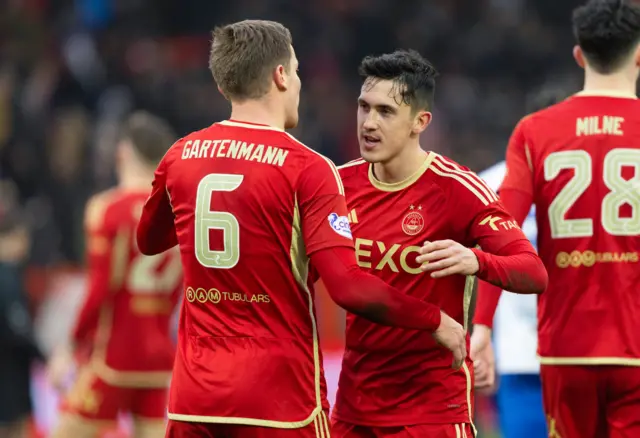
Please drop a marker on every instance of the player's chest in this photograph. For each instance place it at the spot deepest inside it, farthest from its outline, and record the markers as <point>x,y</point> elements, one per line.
<point>390,227</point>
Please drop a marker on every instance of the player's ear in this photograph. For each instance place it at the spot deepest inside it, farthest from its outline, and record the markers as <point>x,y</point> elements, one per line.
<point>222,92</point>
<point>421,121</point>
<point>578,55</point>
<point>280,77</point>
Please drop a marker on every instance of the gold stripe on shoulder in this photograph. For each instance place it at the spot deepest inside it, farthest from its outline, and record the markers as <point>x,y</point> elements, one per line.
<point>473,186</point>
<point>470,176</point>
<point>352,163</point>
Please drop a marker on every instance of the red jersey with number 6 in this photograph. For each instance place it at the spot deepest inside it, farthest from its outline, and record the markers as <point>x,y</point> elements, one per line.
<point>580,161</point>
<point>249,204</point>
<point>126,315</point>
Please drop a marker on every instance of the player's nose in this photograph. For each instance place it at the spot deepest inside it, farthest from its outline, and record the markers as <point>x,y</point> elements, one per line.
<point>370,122</point>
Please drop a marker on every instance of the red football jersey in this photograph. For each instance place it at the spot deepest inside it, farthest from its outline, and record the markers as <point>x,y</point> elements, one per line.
<point>250,204</point>
<point>127,312</point>
<point>392,376</point>
<point>580,161</point>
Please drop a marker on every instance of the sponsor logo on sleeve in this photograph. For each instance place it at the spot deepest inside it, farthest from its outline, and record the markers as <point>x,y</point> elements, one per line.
<point>496,223</point>
<point>340,225</point>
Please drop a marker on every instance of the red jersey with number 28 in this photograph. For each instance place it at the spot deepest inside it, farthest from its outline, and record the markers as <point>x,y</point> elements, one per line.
<point>397,377</point>
<point>580,162</point>
<point>126,315</point>
<point>249,204</point>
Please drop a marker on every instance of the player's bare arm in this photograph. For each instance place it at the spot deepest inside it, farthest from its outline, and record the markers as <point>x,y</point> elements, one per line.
<point>484,362</point>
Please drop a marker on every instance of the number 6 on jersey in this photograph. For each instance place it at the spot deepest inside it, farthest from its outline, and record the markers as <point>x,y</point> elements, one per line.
<point>207,219</point>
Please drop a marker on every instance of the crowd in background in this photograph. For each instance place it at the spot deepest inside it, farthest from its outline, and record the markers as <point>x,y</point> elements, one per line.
<point>71,70</point>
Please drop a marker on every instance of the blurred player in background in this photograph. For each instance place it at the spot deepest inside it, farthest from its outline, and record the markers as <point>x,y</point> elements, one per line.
<point>519,391</point>
<point>579,162</point>
<point>397,382</point>
<point>125,318</point>
<point>17,341</point>
<point>252,206</point>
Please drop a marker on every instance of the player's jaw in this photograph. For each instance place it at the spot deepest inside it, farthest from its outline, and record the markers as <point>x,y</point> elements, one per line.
<point>292,100</point>
<point>382,143</point>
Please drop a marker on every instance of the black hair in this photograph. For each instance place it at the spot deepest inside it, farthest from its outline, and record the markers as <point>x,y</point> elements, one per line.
<point>413,75</point>
<point>607,31</point>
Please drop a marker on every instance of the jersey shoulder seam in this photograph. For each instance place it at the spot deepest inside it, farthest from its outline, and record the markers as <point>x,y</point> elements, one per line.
<point>449,170</point>
<point>313,153</point>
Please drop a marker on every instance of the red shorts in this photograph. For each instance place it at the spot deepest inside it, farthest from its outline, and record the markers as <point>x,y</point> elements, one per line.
<point>341,429</point>
<point>93,399</point>
<point>597,401</point>
<point>319,428</point>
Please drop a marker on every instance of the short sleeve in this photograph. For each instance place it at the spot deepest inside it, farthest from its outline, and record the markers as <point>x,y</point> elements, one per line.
<point>323,208</point>
<point>519,173</point>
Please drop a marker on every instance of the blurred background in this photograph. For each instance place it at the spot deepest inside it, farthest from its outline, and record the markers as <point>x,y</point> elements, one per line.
<point>72,70</point>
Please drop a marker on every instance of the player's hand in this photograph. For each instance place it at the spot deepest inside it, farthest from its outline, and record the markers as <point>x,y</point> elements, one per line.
<point>484,363</point>
<point>447,257</point>
<point>451,335</point>
<point>59,368</point>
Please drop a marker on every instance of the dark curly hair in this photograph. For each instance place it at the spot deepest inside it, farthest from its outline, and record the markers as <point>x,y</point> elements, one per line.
<point>412,74</point>
<point>607,31</point>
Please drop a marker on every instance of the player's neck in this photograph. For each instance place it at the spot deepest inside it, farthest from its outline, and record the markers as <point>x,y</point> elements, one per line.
<point>135,179</point>
<point>400,167</point>
<point>619,83</point>
<point>261,111</point>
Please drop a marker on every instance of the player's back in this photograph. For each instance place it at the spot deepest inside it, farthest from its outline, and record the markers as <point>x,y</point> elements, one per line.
<point>247,321</point>
<point>133,345</point>
<point>585,157</point>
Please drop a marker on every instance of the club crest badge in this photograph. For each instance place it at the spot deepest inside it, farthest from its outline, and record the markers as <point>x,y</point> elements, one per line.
<point>413,222</point>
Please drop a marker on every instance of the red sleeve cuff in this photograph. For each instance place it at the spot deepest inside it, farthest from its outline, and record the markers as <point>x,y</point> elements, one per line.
<point>482,264</point>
